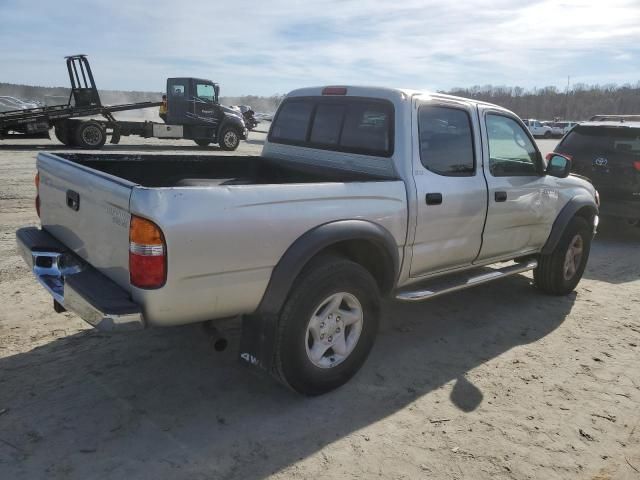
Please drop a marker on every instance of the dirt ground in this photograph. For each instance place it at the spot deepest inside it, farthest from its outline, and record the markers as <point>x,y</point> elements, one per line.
<point>497,382</point>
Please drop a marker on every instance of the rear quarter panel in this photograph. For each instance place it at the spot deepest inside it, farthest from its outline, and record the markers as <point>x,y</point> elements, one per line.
<point>223,242</point>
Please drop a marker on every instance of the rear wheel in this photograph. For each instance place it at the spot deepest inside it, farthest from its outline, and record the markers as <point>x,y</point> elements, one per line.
<point>90,135</point>
<point>547,134</point>
<point>327,326</point>
<point>202,142</point>
<point>559,272</point>
<point>229,139</point>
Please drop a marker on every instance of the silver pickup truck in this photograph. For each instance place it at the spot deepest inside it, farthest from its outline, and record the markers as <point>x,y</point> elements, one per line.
<point>359,193</point>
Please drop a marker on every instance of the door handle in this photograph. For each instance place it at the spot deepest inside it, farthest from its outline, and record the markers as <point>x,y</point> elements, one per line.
<point>433,198</point>
<point>73,200</point>
<point>500,196</point>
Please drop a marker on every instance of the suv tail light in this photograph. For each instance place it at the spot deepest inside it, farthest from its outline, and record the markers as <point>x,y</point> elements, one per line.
<point>147,254</point>
<point>636,165</point>
<point>37,182</point>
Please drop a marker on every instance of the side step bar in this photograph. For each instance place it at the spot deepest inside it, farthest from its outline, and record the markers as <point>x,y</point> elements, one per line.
<point>465,282</point>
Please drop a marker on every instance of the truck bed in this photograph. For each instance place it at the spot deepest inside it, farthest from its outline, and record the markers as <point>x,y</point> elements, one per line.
<point>211,170</point>
<point>226,220</point>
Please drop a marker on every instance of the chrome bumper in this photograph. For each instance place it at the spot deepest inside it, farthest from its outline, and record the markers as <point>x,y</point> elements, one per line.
<point>77,286</point>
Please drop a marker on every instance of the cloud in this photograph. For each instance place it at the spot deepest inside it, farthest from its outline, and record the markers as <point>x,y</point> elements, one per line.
<point>267,47</point>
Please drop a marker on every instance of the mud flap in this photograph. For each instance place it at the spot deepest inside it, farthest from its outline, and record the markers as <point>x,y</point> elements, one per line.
<point>258,341</point>
<point>115,135</point>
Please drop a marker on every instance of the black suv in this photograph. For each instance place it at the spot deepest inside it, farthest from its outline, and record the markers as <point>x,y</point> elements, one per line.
<point>607,151</point>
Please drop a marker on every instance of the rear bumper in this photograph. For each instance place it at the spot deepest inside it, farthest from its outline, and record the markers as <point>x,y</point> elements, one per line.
<point>76,285</point>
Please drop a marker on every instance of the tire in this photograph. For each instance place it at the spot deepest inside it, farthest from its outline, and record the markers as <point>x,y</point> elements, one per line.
<point>229,139</point>
<point>90,135</point>
<point>553,274</point>
<point>63,134</point>
<point>202,142</point>
<point>547,134</point>
<point>325,280</point>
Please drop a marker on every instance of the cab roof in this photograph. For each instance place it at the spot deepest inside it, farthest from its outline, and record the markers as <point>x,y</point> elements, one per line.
<point>384,92</point>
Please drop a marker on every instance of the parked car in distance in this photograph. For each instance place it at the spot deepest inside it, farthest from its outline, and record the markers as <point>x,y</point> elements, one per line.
<point>537,129</point>
<point>556,132</point>
<point>17,103</point>
<point>608,153</point>
<point>359,193</point>
<point>561,128</point>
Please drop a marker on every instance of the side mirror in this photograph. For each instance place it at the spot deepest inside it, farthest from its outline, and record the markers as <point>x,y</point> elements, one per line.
<point>558,166</point>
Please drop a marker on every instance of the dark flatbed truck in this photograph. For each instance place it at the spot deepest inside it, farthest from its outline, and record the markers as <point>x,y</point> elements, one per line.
<point>193,113</point>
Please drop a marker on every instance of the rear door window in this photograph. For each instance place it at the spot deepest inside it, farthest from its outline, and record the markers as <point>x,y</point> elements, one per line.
<point>446,141</point>
<point>354,125</point>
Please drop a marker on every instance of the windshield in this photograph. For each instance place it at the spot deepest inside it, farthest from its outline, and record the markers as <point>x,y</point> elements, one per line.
<point>206,91</point>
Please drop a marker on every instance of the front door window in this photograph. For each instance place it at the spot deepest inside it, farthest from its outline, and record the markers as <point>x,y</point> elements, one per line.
<point>205,91</point>
<point>511,151</point>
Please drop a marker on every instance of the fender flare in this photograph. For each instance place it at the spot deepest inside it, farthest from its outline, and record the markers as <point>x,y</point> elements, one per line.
<point>228,120</point>
<point>572,207</point>
<point>315,240</point>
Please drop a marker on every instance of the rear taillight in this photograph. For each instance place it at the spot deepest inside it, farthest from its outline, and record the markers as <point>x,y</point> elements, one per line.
<point>636,165</point>
<point>37,182</point>
<point>147,254</point>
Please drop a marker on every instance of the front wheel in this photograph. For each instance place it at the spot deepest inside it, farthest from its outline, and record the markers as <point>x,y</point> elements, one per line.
<point>327,326</point>
<point>229,139</point>
<point>547,135</point>
<point>559,272</point>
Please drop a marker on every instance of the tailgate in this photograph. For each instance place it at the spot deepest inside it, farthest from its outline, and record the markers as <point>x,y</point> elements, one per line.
<point>88,211</point>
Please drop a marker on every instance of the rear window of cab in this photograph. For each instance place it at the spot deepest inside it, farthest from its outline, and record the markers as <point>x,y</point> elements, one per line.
<point>347,124</point>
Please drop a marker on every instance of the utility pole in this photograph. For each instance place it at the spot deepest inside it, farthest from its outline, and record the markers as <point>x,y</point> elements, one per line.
<point>566,111</point>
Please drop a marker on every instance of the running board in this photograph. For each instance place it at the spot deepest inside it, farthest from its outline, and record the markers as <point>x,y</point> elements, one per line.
<point>445,286</point>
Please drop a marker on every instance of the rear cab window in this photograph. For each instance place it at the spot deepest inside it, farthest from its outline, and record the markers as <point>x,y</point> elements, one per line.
<point>346,124</point>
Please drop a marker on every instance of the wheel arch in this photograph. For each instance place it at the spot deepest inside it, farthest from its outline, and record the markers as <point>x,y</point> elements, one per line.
<point>580,205</point>
<point>228,121</point>
<point>364,242</point>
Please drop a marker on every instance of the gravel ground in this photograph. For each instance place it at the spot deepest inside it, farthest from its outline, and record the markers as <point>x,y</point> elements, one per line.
<point>497,382</point>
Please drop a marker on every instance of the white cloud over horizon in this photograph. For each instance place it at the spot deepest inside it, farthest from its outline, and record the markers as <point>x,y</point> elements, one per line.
<point>272,47</point>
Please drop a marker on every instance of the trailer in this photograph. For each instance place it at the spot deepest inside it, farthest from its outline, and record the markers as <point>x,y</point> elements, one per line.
<point>193,112</point>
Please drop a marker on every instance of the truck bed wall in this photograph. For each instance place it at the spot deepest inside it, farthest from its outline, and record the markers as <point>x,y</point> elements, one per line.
<point>182,170</point>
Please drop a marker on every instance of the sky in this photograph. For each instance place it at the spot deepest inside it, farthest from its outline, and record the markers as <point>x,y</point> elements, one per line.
<point>273,46</point>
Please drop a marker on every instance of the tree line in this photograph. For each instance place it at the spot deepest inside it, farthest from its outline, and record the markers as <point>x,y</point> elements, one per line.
<point>577,103</point>
<point>580,102</point>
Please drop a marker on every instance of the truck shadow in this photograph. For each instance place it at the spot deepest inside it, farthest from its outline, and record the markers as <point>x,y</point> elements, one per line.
<point>614,253</point>
<point>162,404</point>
